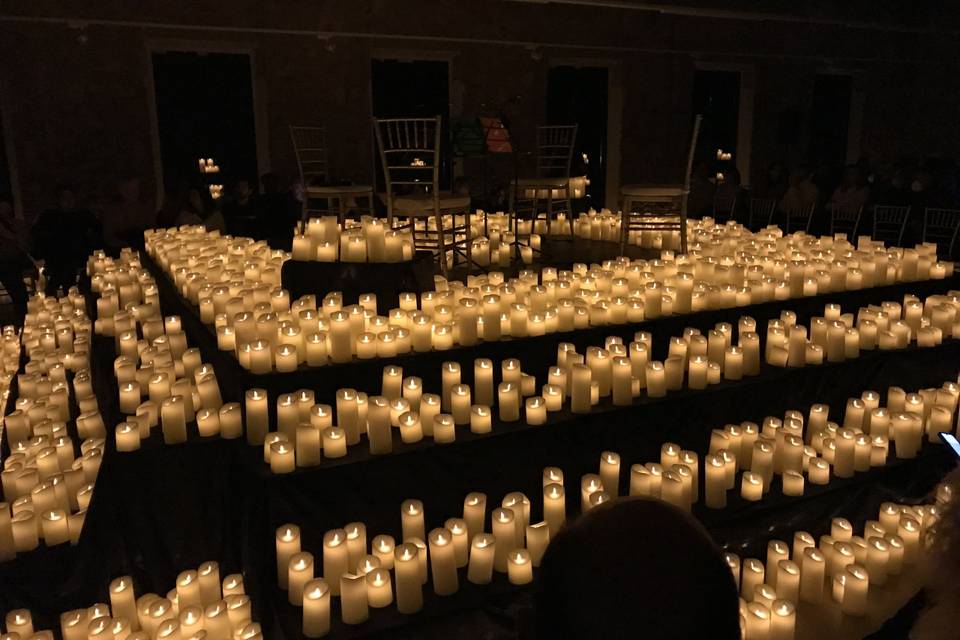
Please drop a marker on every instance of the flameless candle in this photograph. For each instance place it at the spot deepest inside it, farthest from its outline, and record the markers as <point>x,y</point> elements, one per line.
<point>383,547</point>
<point>300,573</point>
<point>409,585</point>
<point>519,567</point>
<point>336,559</point>
<point>411,429</point>
<point>509,401</point>
<point>752,486</point>
<point>505,533</point>
<point>288,543</point>
<point>751,576</point>
<point>715,484</point>
<point>655,379</point>
<point>443,562</point>
<point>480,419</point>
<point>256,416</point>
<point>482,552</point>
<point>412,519</point>
<point>316,608</point>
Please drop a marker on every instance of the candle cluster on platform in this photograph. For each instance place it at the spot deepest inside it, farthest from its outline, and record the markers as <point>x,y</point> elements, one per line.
<point>235,282</point>
<point>364,240</point>
<point>46,485</point>
<point>200,606</point>
<point>839,570</point>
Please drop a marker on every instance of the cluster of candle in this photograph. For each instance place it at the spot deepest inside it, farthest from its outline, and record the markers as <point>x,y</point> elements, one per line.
<point>359,573</point>
<point>837,336</point>
<point>208,166</point>
<point>199,607</point>
<point>46,486</point>
<point>161,379</point>
<point>366,240</point>
<point>9,360</point>
<point>840,567</point>
<point>235,282</point>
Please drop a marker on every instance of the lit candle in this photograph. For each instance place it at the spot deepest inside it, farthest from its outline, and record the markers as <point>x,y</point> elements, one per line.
<point>461,540</point>
<point>520,567</point>
<point>336,559</point>
<point>412,519</point>
<point>752,486</point>
<point>474,510</point>
<point>379,588</point>
<point>383,547</point>
<point>856,582</point>
<point>300,573</point>
<point>480,419</point>
<point>316,608</point>
<point>580,401</point>
<point>656,379</point>
<point>409,585</point>
<point>411,429</point>
<point>715,484</point>
<point>505,532</point>
<point>288,543</point>
<point>783,619</point>
<point>509,401</point>
<point>173,420</point>
<point>334,442</point>
<point>482,551</point>
<point>812,570</point>
<point>483,381</point>
<point>535,409</point>
<point>443,562</point>
<point>256,416</point>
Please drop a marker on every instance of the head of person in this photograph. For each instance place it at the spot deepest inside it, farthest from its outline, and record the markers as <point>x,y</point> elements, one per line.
<point>241,190</point>
<point>636,568</point>
<point>66,197</point>
<point>194,201</point>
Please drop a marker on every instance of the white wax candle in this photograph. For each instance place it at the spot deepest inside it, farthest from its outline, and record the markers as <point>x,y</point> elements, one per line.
<point>336,558</point>
<point>300,573</point>
<point>482,551</point>
<point>316,608</point>
<point>519,567</point>
<point>354,606</point>
<point>409,585</point>
<point>443,562</point>
<point>288,543</point>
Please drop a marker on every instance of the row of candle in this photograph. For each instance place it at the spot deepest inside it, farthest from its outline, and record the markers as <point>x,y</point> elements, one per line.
<point>223,276</point>
<point>837,336</point>
<point>46,487</point>
<point>840,567</point>
<point>199,607</point>
<point>369,240</point>
<point>360,572</point>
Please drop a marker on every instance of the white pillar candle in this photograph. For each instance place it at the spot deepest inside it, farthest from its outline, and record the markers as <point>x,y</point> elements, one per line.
<point>316,608</point>
<point>519,567</point>
<point>379,588</point>
<point>505,533</point>
<point>752,486</point>
<point>535,410</point>
<point>474,512</point>
<point>173,420</point>
<point>622,385</point>
<point>460,403</point>
<point>461,540</point>
<point>256,416</point>
<point>877,560</point>
<point>482,551</point>
<point>444,429</point>
<point>509,401</point>
<point>409,585</point>
<point>483,381</point>
<point>412,519</point>
<point>554,507</point>
<point>411,429</point>
<point>300,573</point>
<point>336,558</point>
<point>288,543</point>
<point>856,582</point>
<point>812,571</point>
<point>752,573</point>
<point>379,431</point>
<point>480,419</point>
<point>715,482</point>
<point>334,442</point>
<point>697,376</point>
<point>354,606</point>
<point>383,547</point>
<point>443,562</point>
<point>656,379</point>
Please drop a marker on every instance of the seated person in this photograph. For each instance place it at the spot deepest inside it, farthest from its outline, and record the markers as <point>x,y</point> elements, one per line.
<point>636,568</point>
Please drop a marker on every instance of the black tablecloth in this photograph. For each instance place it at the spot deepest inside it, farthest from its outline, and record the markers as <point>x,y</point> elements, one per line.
<point>353,279</point>
<point>162,509</point>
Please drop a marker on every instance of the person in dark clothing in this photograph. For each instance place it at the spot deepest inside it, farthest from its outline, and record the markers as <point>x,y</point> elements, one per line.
<point>14,256</point>
<point>238,210</point>
<point>64,237</point>
<point>276,213</point>
<point>635,568</point>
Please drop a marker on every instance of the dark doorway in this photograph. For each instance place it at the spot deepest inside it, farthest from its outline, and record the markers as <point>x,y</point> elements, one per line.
<point>830,120</point>
<point>578,95</point>
<point>716,95</point>
<point>205,110</point>
<point>413,89</point>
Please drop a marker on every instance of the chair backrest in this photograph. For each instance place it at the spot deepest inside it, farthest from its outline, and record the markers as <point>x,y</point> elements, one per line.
<point>889,223</point>
<point>724,205</point>
<point>799,218</point>
<point>555,150</point>
<point>761,211</point>
<point>410,155</point>
<point>941,226</point>
<point>844,219</point>
<point>310,147</point>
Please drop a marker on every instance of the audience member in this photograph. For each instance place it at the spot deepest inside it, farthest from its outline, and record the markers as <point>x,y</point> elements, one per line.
<point>636,568</point>
<point>125,219</point>
<point>802,192</point>
<point>64,237</point>
<point>276,213</point>
<point>238,210</point>
<point>15,259</point>
<point>852,192</point>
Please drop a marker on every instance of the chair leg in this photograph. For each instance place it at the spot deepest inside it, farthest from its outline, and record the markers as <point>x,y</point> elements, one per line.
<point>441,244</point>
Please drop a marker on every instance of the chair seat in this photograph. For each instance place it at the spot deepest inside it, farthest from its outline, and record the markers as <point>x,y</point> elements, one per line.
<point>652,190</point>
<point>412,205</point>
<point>546,183</point>
<point>345,189</point>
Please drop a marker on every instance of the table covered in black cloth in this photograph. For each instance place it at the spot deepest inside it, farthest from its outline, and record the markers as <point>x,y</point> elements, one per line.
<point>217,499</point>
<point>353,279</point>
<point>163,509</point>
<point>536,353</point>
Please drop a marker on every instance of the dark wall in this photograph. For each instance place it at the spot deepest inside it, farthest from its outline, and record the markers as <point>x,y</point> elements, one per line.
<point>80,111</point>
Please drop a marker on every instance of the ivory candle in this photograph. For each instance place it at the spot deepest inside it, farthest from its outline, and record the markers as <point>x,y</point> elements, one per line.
<point>300,573</point>
<point>752,486</point>
<point>379,589</point>
<point>656,379</point>
<point>482,552</point>
<point>535,409</point>
<point>520,567</point>
<point>443,562</point>
<point>505,533</point>
<point>480,419</point>
<point>316,608</point>
<point>715,484</point>
<point>412,519</point>
<point>474,510</point>
<point>336,559</point>
<point>509,401</point>
<point>409,585</point>
<point>354,605</point>
<point>288,543</point>
<point>334,442</point>
<point>812,570</point>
